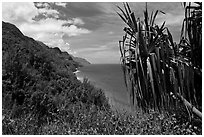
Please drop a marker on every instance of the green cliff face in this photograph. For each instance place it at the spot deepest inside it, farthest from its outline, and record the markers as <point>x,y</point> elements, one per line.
<point>38,84</point>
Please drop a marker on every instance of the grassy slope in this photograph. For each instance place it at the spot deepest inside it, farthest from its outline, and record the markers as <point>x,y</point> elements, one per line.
<point>41,95</point>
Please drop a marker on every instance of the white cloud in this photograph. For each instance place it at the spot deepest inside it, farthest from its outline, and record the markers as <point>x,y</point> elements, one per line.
<point>51,25</point>
<point>67,43</point>
<point>18,11</point>
<point>46,12</point>
<point>63,4</point>
<point>49,30</point>
<point>42,5</point>
<point>54,40</point>
<point>78,21</point>
<point>74,30</point>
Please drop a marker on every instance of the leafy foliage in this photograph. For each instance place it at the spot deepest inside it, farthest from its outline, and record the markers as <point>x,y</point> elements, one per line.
<point>155,68</point>
<point>38,82</point>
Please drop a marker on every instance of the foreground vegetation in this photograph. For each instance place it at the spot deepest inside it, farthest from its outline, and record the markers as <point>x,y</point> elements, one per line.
<point>41,95</point>
<point>158,72</point>
<point>80,118</point>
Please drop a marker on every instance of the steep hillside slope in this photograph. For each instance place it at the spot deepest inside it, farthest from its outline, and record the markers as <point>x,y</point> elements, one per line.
<point>81,61</point>
<point>38,84</point>
<point>27,49</point>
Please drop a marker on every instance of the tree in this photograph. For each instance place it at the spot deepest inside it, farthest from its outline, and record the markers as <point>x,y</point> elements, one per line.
<point>155,67</point>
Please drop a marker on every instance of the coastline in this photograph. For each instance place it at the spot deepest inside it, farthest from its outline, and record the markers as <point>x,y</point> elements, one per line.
<point>116,104</point>
<point>76,73</point>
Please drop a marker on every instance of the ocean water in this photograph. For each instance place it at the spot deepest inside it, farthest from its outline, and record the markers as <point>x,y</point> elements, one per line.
<point>109,78</point>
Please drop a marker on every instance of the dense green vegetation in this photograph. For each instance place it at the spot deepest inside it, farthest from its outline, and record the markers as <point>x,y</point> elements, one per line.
<point>41,95</point>
<point>38,81</point>
<point>158,72</point>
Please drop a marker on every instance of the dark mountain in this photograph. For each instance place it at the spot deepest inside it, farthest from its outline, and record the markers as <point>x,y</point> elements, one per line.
<point>81,61</point>
<point>28,50</point>
<point>39,86</point>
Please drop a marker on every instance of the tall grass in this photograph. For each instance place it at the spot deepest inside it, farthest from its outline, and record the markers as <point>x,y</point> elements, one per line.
<point>156,69</point>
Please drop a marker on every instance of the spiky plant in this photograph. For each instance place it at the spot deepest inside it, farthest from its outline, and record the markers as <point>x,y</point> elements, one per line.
<point>191,45</point>
<point>153,67</point>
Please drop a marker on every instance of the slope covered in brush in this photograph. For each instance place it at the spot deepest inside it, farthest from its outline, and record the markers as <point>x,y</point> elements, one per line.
<point>38,82</point>
<point>29,50</point>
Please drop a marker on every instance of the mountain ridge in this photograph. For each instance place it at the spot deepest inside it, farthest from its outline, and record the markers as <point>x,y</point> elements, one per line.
<point>39,87</point>
<point>82,62</point>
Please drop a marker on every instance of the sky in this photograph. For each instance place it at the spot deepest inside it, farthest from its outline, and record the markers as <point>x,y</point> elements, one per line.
<point>90,30</point>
